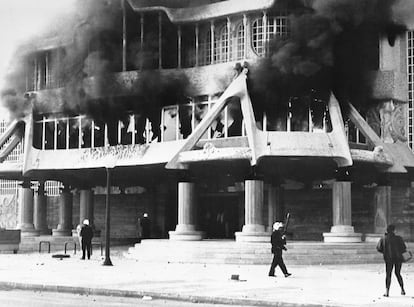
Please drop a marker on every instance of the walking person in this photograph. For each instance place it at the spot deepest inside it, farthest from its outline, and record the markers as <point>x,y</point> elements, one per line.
<point>87,235</point>
<point>278,241</point>
<point>78,231</point>
<point>392,247</point>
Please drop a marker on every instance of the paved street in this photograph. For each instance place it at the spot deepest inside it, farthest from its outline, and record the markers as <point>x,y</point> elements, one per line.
<point>346,285</point>
<point>13,298</point>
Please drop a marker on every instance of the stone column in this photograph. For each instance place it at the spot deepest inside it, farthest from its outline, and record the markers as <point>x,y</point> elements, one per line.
<point>254,228</point>
<point>40,210</point>
<point>382,211</point>
<point>86,206</point>
<point>86,210</point>
<point>275,205</point>
<point>342,230</point>
<point>186,228</point>
<point>64,228</point>
<point>26,210</point>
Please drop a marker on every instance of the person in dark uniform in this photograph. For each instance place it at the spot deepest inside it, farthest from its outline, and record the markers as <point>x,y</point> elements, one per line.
<point>86,234</point>
<point>392,247</point>
<point>278,241</point>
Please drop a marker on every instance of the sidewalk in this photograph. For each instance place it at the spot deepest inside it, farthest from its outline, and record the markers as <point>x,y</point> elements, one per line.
<point>348,285</point>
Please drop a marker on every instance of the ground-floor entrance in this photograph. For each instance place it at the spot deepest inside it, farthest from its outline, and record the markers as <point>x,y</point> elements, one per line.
<point>220,215</point>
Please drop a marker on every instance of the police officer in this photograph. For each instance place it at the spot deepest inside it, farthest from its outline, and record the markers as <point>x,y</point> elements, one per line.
<point>278,241</point>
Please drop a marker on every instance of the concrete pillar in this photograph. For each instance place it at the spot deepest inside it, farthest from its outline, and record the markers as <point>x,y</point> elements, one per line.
<point>382,211</point>
<point>275,205</point>
<point>254,225</point>
<point>26,210</point>
<point>186,228</point>
<point>342,230</point>
<point>64,228</point>
<point>40,210</point>
<point>86,206</point>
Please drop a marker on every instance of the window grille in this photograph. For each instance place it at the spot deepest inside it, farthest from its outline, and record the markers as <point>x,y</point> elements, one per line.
<point>205,48</point>
<point>258,40</point>
<point>410,75</point>
<point>52,188</point>
<point>221,45</point>
<point>240,41</point>
<point>8,187</point>
<point>17,153</point>
<point>262,34</point>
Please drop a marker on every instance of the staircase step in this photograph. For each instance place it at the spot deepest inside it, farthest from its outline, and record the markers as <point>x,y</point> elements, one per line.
<point>231,252</point>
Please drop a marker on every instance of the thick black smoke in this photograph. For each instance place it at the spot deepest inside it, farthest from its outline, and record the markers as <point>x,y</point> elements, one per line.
<point>332,45</point>
<point>87,65</point>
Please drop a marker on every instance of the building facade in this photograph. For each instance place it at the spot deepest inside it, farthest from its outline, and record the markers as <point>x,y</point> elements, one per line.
<point>172,99</point>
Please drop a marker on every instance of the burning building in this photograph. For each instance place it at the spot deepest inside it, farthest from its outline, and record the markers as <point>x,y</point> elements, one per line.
<point>215,118</point>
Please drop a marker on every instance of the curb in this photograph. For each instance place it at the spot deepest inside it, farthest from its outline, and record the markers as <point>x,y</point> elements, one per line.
<point>5,285</point>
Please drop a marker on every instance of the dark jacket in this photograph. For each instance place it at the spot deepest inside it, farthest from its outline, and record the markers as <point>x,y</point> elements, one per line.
<point>86,233</point>
<point>278,242</point>
<point>392,247</point>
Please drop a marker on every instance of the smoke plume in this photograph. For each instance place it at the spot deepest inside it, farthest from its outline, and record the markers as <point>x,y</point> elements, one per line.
<point>332,45</point>
<point>91,53</point>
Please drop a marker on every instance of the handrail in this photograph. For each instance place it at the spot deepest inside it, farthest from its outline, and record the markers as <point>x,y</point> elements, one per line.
<point>16,139</point>
<point>44,242</point>
<point>74,246</point>
<point>14,125</point>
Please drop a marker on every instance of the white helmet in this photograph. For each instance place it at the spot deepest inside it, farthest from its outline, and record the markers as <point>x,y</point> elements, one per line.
<point>277,225</point>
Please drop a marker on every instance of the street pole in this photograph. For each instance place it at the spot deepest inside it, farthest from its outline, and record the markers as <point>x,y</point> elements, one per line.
<point>107,218</point>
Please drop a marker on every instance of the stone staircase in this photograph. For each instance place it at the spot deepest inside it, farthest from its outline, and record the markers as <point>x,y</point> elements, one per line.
<point>231,252</point>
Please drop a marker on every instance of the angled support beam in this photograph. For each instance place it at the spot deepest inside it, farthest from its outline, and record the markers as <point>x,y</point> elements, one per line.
<point>13,126</point>
<point>398,154</point>
<point>250,124</point>
<point>16,139</point>
<point>362,125</point>
<point>339,139</point>
<point>237,88</point>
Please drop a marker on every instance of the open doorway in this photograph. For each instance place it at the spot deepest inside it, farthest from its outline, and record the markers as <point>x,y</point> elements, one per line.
<point>219,215</point>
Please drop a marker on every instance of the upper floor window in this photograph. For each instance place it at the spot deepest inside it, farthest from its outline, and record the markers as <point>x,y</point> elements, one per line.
<point>221,45</point>
<point>265,29</point>
<point>205,48</point>
<point>43,72</point>
<point>240,41</point>
<point>258,39</point>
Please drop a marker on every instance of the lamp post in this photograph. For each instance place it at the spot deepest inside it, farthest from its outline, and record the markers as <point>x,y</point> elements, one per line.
<point>110,163</point>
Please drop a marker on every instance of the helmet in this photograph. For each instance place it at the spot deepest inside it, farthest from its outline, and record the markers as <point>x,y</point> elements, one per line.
<point>277,225</point>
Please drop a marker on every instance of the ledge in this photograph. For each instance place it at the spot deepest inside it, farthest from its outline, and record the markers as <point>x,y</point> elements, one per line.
<point>202,12</point>
<point>389,85</point>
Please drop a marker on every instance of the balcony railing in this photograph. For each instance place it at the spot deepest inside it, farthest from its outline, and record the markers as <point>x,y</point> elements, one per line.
<point>177,122</point>
<point>83,132</point>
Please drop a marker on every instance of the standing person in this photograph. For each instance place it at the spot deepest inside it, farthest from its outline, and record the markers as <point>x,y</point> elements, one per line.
<point>392,247</point>
<point>278,245</point>
<point>139,230</point>
<point>146,226</point>
<point>87,235</point>
<point>78,231</point>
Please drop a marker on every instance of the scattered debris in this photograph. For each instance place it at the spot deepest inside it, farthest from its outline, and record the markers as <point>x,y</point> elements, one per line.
<point>234,277</point>
<point>60,256</point>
